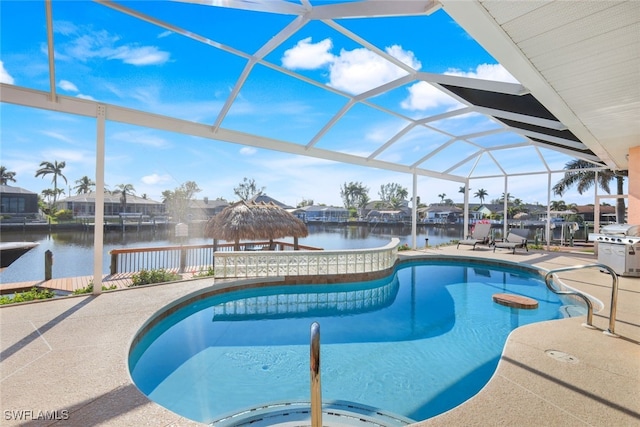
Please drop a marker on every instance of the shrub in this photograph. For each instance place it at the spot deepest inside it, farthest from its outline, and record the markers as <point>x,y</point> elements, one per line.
<point>89,288</point>
<point>63,215</point>
<point>146,277</point>
<point>205,273</point>
<point>404,247</point>
<point>30,295</point>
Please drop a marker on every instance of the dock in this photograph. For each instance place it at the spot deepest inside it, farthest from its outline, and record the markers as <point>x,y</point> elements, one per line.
<point>70,284</point>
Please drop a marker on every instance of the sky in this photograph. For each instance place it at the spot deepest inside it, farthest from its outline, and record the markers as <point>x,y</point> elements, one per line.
<point>106,56</point>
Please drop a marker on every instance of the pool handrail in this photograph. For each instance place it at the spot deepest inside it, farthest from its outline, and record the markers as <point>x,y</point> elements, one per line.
<point>314,367</point>
<point>614,293</point>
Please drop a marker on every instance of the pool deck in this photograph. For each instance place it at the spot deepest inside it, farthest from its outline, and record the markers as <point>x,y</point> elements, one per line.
<point>67,358</point>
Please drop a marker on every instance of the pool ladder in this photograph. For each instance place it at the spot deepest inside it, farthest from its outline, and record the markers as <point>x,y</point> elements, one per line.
<point>614,294</point>
<point>314,365</point>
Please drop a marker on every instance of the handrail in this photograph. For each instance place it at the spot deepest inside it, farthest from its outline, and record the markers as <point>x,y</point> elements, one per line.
<point>316,391</point>
<point>614,293</point>
<point>182,257</point>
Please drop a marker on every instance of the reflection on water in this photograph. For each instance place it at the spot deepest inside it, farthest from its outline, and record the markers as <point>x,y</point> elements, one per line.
<point>73,250</point>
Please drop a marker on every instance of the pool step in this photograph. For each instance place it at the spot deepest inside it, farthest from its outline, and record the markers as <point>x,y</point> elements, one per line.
<point>298,414</point>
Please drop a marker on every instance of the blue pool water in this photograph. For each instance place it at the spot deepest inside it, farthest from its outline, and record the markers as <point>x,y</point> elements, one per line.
<point>416,344</point>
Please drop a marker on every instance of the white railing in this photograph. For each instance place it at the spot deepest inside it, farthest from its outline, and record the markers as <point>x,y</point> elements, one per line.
<point>242,264</point>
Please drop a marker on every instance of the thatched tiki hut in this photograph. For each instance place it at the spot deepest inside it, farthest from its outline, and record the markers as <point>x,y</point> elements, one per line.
<point>255,221</point>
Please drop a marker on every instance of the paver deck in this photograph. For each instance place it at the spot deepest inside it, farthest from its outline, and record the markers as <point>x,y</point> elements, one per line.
<point>68,357</point>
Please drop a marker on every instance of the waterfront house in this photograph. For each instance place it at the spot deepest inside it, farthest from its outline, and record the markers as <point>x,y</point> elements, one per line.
<point>438,213</point>
<point>83,205</point>
<point>16,202</point>
<point>203,209</point>
<point>587,212</point>
<point>263,198</point>
<point>388,215</point>
<point>317,213</point>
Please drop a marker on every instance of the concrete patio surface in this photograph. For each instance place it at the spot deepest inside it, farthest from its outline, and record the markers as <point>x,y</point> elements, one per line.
<point>67,358</point>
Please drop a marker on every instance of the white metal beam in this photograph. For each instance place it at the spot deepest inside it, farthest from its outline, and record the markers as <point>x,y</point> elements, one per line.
<point>375,8</point>
<point>270,6</point>
<point>392,141</point>
<point>51,50</point>
<point>39,99</point>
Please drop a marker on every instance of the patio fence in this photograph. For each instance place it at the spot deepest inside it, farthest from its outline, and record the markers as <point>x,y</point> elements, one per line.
<point>183,258</point>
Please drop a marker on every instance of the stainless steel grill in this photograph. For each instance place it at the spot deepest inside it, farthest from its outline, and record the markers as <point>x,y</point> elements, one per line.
<point>618,246</point>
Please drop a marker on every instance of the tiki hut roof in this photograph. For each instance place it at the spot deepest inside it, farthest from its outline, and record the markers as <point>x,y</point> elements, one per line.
<point>251,221</point>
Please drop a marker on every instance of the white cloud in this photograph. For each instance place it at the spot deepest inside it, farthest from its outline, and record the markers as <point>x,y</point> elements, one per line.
<point>248,151</point>
<point>423,96</point>
<point>353,71</point>
<point>88,97</point>
<point>65,27</point>
<point>69,156</point>
<point>5,77</point>
<point>58,136</point>
<point>71,87</point>
<point>165,34</point>
<point>154,179</point>
<point>494,72</point>
<point>68,86</point>
<point>306,55</point>
<point>85,43</point>
<point>146,55</point>
<point>141,137</point>
<point>360,70</point>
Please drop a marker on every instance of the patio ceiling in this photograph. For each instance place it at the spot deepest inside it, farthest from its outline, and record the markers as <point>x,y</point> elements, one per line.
<point>581,60</point>
<point>578,64</point>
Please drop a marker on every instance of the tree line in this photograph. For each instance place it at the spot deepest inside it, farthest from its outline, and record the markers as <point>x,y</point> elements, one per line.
<point>354,195</point>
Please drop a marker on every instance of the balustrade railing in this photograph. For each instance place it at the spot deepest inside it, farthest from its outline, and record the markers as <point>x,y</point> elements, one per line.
<point>240,264</point>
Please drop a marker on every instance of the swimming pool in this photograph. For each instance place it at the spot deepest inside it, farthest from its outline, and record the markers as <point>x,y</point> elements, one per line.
<point>417,343</point>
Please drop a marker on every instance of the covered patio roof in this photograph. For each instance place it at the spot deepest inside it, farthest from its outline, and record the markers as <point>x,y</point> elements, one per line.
<point>578,96</point>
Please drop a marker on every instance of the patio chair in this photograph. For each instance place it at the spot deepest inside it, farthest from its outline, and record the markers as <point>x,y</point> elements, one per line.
<point>479,235</point>
<point>512,241</point>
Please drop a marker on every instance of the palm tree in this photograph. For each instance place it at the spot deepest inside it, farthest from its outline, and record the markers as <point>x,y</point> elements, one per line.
<point>123,190</point>
<point>558,205</point>
<point>85,185</point>
<point>51,196</point>
<point>585,179</point>
<point>442,196</point>
<point>55,169</point>
<point>6,176</point>
<point>354,195</point>
<point>508,196</point>
<point>481,194</point>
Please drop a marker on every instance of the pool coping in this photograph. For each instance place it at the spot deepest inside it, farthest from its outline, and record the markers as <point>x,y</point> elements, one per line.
<point>77,348</point>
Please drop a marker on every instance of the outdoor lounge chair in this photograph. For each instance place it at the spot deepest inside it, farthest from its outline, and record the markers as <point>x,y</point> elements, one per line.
<point>479,235</point>
<point>512,241</point>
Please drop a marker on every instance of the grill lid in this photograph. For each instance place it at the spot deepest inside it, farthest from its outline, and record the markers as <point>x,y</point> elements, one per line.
<point>621,230</point>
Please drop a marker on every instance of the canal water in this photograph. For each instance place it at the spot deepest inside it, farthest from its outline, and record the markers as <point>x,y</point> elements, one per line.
<point>73,250</point>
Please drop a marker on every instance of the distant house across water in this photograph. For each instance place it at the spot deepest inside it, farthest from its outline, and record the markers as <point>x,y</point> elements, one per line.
<point>263,198</point>
<point>317,213</point>
<point>440,214</point>
<point>18,202</point>
<point>84,205</point>
<point>203,209</point>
